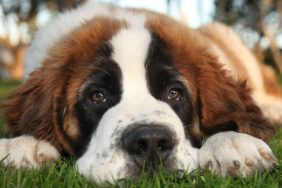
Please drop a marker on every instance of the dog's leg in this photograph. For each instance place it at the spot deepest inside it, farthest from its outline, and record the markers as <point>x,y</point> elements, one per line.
<point>26,151</point>
<point>232,153</point>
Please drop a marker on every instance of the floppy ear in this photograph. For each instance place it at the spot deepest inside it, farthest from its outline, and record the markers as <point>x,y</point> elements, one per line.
<point>28,110</point>
<point>226,104</point>
<point>32,108</point>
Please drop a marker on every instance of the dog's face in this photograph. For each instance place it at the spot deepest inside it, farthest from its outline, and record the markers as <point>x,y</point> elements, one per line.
<point>135,104</point>
<point>130,93</point>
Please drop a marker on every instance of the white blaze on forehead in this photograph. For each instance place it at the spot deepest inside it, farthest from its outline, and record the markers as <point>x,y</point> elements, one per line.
<point>130,47</point>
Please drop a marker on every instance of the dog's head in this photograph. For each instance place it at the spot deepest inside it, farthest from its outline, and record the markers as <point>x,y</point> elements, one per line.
<point>129,90</point>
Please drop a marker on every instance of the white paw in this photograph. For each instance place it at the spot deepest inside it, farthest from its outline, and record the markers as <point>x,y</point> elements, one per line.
<point>231,153</point>
<point>26,151</point>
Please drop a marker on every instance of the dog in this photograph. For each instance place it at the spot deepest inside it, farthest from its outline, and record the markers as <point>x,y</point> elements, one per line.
<point>127,90</point>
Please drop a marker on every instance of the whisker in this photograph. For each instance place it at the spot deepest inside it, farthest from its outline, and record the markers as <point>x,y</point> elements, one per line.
<point>188,125</point>
<point>95,68</point>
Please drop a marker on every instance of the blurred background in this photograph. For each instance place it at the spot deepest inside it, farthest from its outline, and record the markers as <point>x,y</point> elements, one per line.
<point>258,22</point>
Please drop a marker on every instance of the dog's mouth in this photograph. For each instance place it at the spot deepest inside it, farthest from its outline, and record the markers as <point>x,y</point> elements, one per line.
<point>152,162</point>
<point>150,166</point>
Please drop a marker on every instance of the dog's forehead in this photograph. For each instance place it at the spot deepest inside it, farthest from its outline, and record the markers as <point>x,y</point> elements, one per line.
<point>130,47</point>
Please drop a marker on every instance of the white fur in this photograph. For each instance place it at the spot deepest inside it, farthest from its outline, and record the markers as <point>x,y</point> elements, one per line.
<point>232,153</point>
<point>26,151</point>
<point>104,162</point>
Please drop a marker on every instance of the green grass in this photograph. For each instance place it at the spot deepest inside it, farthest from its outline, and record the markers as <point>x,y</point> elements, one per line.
<point>5,88</point>
<point>65,175</point>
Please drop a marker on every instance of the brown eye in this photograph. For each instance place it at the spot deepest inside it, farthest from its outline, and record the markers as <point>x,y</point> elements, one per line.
<point>98,97</point>
<point>174,94</point>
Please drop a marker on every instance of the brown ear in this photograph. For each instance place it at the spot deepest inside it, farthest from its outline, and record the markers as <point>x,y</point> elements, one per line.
<point>31,108</point>
<point>28,110</point>
<point>226,104</point>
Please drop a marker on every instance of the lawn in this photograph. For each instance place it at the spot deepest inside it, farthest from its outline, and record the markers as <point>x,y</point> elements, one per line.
<point>65,175</point>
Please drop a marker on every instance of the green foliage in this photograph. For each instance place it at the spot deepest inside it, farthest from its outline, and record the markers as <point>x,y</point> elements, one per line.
<point>64,174</point>
<point>6,87</point>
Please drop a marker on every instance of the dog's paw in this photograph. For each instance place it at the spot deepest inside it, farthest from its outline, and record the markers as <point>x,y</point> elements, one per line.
<point>26,151</point>
<point>231,153</point>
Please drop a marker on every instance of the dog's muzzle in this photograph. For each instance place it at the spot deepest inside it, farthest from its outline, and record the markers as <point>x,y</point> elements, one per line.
<point>148,145</point>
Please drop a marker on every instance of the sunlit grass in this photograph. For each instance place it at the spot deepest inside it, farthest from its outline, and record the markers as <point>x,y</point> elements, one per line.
<point>6,87</point>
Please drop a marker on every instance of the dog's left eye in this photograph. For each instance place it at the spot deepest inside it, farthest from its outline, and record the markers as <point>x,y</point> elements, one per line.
<point>174,94</point>
<point>98,97</point>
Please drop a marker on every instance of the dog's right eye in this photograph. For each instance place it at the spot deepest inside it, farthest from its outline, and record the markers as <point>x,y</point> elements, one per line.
<point>98,97</point>
<point>174,94</point>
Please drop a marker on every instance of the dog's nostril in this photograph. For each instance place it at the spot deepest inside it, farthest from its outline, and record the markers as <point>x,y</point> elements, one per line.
<point>140,147</point>
<point>165,144</point>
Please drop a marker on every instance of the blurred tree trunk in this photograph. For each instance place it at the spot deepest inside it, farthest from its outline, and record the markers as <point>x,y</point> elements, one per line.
<point>68,4</point>
<point>18,66</point>
<point>273,48</point>
<point>259,16</point>
<point>275,51</point>
<point>16,69</point>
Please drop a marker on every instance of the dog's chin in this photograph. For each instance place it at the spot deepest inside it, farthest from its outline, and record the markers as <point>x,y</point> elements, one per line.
<point>119,165</point>
<point>131,171</point>
<point>135,172</point>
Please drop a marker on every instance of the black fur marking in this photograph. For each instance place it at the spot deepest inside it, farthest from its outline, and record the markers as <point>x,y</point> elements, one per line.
<point>162,76</point>
<point>105,78</point>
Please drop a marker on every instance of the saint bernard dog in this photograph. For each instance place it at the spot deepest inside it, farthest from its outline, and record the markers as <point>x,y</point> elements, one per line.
<point>129,90</point>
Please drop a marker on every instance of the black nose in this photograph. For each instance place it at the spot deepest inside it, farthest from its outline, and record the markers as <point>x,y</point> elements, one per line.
<point>148,145</point>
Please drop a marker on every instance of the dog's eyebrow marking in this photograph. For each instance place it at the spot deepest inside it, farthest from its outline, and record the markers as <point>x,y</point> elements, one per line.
<point>178,76</point>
